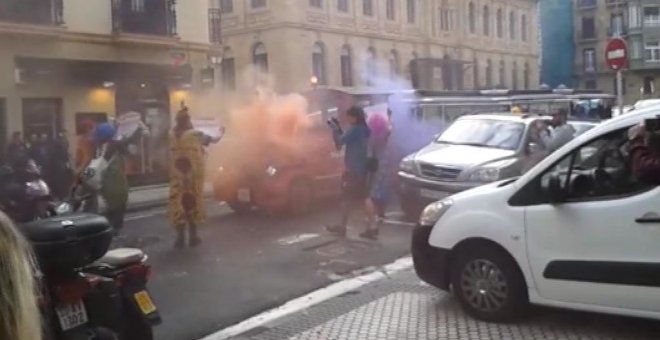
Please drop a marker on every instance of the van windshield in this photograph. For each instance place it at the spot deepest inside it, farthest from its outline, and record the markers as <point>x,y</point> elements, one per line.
<point>484,132</point>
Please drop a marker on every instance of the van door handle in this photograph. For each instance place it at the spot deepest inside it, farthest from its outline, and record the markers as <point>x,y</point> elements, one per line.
<point>647,220</point>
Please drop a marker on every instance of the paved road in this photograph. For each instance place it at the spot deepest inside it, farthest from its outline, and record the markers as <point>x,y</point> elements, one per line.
<point>248,264</point>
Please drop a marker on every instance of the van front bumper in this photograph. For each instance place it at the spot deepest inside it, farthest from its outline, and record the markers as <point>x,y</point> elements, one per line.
<point>431,264</point>
<point>423,191</point>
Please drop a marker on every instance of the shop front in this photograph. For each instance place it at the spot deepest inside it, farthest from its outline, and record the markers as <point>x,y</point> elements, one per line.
<point>82,91</point>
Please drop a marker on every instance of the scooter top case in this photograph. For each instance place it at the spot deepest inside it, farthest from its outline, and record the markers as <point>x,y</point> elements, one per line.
<point>71,241</point>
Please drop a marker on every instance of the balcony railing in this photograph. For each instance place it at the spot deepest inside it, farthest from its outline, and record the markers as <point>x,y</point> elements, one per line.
<point>38,12</point>
<point>617,31</point>
<point>154,17</point>
<point>215,25</point>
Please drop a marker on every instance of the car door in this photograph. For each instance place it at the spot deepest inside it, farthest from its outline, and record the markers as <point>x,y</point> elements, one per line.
<point>601,244</point>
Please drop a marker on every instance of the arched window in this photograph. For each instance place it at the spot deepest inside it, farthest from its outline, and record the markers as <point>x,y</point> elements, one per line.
<point>514,76</point>
<point>486,20</point>
<point>500,23</point>
<point>489,73</point>
<point>526,77</point>
<point>260,57</point>
<point>523,27</point>
<point>228,69</point>
<point>394,64</point>
<point>512,25</point>
<point>472,18</point>
<point>502,75</point>
<point>346,62</point>
<point>371,66</point>
<point>318,63</point>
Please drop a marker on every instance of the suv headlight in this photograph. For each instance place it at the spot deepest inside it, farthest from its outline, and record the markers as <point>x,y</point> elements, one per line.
<point>485,175</point>
<point>407,164</point>
<point>434,211</point>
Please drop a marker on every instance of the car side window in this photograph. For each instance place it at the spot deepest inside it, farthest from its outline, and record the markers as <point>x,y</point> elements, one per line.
<point>597,170</point>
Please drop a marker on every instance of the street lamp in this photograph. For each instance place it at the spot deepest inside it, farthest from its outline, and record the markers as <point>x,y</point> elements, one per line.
<point>215,58</point>
<point>314,81</point>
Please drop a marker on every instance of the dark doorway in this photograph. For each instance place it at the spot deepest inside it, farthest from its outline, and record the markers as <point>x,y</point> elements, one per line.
<point>42,116</point>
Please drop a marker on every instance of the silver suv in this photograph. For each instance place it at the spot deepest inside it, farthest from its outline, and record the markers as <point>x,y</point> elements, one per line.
<point>474,150</point>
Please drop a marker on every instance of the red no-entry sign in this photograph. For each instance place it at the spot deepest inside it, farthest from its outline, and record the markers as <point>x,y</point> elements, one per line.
<point>616,54</point>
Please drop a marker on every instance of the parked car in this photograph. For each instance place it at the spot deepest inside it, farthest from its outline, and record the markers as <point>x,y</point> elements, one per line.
<point>474,150</point>
<point>577,231</point>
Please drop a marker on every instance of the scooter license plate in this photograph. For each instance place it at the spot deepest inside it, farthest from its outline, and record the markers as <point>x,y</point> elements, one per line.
<point>244,195</point>
<point>71,315</point>
<point>144,302</point>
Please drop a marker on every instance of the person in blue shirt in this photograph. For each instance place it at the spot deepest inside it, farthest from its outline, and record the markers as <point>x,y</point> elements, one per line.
<point>355,188</point>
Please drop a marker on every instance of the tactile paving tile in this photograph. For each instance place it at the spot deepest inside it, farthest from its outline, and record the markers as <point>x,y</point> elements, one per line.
<point>400,308</point>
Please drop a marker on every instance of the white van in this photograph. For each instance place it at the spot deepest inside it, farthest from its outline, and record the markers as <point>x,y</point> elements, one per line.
<point>576,231</point>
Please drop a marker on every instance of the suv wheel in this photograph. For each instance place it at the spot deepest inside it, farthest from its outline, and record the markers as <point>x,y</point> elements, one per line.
<point>489,285</point>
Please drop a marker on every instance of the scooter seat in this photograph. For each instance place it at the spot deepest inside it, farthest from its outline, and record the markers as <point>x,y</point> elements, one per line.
<point>122,257</point>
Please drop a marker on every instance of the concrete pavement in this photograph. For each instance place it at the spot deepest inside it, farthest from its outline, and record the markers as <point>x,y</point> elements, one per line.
<point>147,197</point>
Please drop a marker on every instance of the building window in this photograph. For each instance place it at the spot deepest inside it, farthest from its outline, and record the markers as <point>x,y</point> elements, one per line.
<point>589,56</point>
<point>500,23</point>
<point>590,84</point>
<point>514,76</point>
<point>486,21</point>
<point>412,11</point>
<point>636,49</point>
<point>260,57</point>
<point>652,51</point>
<point>316,3</point>
<point>390,9</point>
<point>588,28</point>
<point>342,5</point>
<point>616,24</point>
<point>446,18</point>
<point>368,7</point>
<point>652,16</point>
<point>633,16</point>
<point>258,3</point>
<point>318,63</point>
<point>512,25</point>
<point>523,27</point>
<point>649,85</point>
<point>587,3</point>
<point>228,70</point>
<point>227,6</point>
<point>502,75</point>
<point>472,19</point>
<point>394,64</point>
<point>489,73</point>
<point>137,6</point>
<point>371,66</point>
<point>526,77</point>
<point>346,62</point>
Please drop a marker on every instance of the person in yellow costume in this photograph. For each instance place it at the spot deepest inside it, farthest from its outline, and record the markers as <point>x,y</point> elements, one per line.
<point>516,110</point>
<point>186,203</point>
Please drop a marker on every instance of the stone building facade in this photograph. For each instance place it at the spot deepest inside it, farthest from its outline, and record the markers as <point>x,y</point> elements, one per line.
<point>347,43</point>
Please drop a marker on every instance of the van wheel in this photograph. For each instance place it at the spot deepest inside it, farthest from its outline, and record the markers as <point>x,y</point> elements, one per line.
<point>489,285</point>
<point>301,197</point>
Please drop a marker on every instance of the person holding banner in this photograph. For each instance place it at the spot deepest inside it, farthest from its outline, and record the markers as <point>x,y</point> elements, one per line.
<point>186,203</point>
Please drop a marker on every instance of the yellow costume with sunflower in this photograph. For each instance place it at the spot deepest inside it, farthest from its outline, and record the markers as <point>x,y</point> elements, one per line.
<point>186,203</point>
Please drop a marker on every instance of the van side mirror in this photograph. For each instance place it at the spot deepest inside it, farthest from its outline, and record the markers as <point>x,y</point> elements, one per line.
<point>553,189</point>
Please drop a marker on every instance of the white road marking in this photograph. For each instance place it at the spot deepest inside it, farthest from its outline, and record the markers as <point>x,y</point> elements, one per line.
<point>401,223</point>
<point>311,299</point>
<point>296,239</point>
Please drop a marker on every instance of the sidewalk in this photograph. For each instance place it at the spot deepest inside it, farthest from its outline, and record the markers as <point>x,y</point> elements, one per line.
<point>401,307</point>
<point>148,197</point>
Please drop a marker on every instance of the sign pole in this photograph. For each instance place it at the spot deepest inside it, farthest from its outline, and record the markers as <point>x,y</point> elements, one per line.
<point>619,89</point>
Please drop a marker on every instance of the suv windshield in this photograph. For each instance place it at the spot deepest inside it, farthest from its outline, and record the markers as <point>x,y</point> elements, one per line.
<point>484,132</point>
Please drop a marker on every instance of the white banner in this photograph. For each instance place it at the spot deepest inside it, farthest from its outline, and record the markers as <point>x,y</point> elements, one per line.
<point>209,126</point>
<point>127,124</point>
